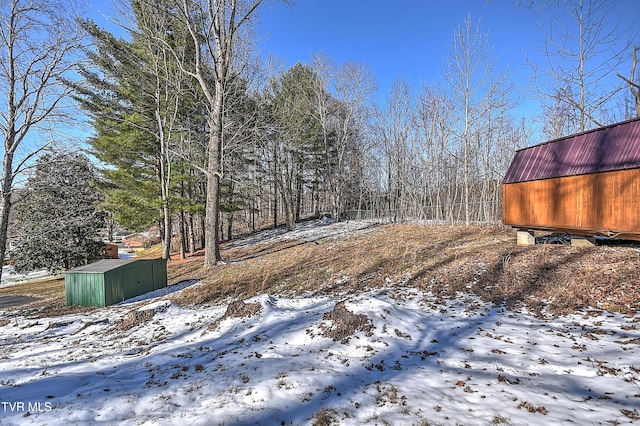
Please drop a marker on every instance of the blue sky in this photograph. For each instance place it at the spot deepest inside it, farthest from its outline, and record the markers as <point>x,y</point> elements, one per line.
<point>405,37</point>
<point>409,39</point>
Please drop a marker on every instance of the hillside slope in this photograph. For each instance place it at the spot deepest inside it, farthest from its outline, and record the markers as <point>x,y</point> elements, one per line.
<point>346,258</point>
<point>351,324</point>
<point>351,257</point>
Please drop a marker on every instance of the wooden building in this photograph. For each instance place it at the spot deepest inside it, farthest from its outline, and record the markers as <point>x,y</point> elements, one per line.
<point>111,251</point>
<point>585,185</point>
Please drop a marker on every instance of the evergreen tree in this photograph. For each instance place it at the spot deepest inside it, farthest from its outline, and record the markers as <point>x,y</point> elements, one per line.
<point>113,95</point>
<point>58,222</point>
<point>142,107</point>
<point>295,136</point>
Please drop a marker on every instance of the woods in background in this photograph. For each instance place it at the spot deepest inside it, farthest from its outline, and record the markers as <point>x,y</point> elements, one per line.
<point>198,137</point>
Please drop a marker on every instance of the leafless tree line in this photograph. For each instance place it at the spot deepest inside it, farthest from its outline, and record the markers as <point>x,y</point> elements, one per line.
<point>313,140</point>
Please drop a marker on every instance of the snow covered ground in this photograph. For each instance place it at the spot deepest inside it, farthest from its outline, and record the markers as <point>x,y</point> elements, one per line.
<point>11,277</point>
<point>307,231</point>
<point>421,360</point>
<point>413,359</point>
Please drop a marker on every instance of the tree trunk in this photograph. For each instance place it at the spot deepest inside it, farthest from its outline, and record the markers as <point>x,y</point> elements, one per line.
<point>183,235</point>
<point>5,203</point>
<point>212,220</point>
<point>336,206</point>
<point>201,235</point>
<point>275,186</point>
<point>299,187</point>
<point>290,213</point>
<point>229,226</point>
<point>192,235</point>
<point>166,240</point>
<point>212,216</point>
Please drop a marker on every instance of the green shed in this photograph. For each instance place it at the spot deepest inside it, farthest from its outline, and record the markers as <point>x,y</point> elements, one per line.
<point>110,281</point>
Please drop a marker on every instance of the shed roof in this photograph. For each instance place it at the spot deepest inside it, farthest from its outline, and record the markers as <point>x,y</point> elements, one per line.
<point>609,148</point>
<point>102,266</point>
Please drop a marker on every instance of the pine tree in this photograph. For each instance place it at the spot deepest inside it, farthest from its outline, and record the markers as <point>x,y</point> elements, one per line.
<point>142,107</point>
<point>58,222</point>
<point>296,133</point>
<point>113,95</point>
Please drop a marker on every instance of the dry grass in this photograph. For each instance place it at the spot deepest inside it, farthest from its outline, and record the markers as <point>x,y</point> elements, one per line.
<point>237,309</point>
<point>325,417</point>
<point>50,287</point>
<point>153,252</point>
<point>344,323</point>
<point>134,319</point>
<point>444,260</point>
<point>440,259</point>
<point>49,291</point>
<point>288,267</point>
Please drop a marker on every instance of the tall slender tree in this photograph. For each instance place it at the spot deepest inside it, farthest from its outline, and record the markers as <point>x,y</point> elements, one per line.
<point>434,120</point>
<point>478,88</point>
<point>349,111</point>
<point>395,130</point>
<point>39,41</point>
<point>295,131</point>
<point>140,103</point>
<point>217,28</point>
<point>584,46</point>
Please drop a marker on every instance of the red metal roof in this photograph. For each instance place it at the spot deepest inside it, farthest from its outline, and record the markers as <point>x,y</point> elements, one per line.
<point>614,147</point>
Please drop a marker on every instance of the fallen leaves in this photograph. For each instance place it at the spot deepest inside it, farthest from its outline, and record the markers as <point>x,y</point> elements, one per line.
<point>533,409</point>
<point>504,379</point>
<point>344,323</point>
<point>632,414</point>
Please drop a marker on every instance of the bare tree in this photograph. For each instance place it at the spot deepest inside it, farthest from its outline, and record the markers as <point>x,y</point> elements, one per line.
<point>394,129</point>
<point>634,85</point>
<point>434,118</point>
<point>325,70</point>
<point>478,90</point>
<point>165,98</point>
<point>341,119</point>
<point>38,44</point>
<point>581,53</point>
<point>559,117</point>
<point>217,28</point>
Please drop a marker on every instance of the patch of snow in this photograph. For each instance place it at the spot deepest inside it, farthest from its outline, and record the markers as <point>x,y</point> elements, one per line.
<point>441,361</point>
<point>124,253</point>
<point>325,228</point>
<point>11,277</point>
<point>307,231</point>
<point>160,292</point>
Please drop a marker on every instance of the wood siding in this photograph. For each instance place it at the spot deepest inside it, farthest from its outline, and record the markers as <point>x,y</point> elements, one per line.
<point>605,203</point>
